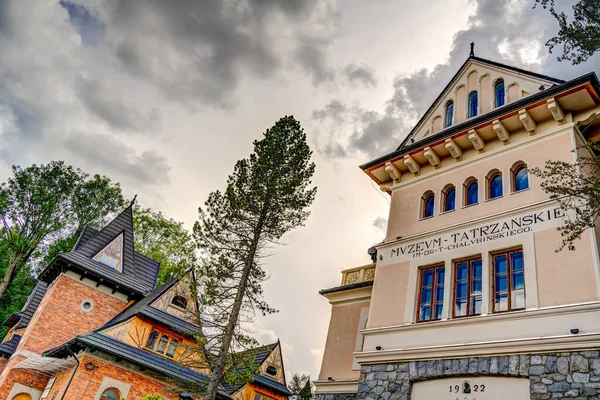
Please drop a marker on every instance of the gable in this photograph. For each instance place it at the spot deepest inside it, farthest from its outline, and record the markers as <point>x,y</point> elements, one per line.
<point>112,254</point>
<point>274,362</point>
<point>481,77</point>
<point>178,301</point>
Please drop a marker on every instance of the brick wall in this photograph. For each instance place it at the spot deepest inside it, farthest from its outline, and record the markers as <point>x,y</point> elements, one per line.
<point>23,377</point>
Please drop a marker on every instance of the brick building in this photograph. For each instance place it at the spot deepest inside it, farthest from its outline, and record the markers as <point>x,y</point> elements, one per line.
<point>96,328</point>
<point>467,297</point>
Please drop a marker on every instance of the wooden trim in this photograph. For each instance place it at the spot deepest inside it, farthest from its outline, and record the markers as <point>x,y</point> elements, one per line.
<point>507,253</point>
<point>488,185</point>
<point>468,260</point>
<point>434,268</point>
<point>445,194</point>
<point>424,199</point>
<point>513,176</point>
<point>466,186</point>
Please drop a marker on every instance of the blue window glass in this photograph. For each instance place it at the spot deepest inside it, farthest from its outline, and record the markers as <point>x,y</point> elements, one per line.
<point>495,187</point>
<point>521,179</point>
<point>449,113</point>
<point>467,288</point>
<point>428,206</point>
<point>509,281</point>
<point>472,193</point>
<point>499,93</point>
<point>472,104</point>
<point>431,294</point>
<point>450,199</point>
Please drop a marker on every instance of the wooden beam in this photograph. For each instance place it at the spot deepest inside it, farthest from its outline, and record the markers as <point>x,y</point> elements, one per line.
<point>393,171</point>
<point>433,158</point>
<point>412,164</point>
<point>556,111</point>
<point>476,140</point>
<point>454,149</point>
<point>501,131</point>
<point>527,122</point>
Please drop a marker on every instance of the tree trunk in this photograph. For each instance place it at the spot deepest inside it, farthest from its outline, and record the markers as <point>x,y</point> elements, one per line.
<point>9,275</point>
<point>219,367</point>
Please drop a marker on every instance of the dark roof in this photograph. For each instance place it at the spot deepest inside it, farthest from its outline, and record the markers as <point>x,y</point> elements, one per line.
<point>556,89</point>
<point>22,318</point>
<point>132,354</point>
<point>261,355</point>
<point>139,273</point>
<point>460,71</point>
<point>346,287</point>
<point>143,307</point>
<point>8,348</point>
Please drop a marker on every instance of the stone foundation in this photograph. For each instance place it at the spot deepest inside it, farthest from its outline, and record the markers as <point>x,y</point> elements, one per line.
<point>337,396</point>
<point>551,376</point>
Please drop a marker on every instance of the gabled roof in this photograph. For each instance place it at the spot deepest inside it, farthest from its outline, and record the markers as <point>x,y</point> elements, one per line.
<point>261,355</point>
<point>8,348</point>
<point>460,71</point>
<point>21,319</point>
<point>139,273</point>
<point>132,354</point>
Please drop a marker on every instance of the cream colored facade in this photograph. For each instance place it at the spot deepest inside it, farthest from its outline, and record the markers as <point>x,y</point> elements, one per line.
<point>541,119</point>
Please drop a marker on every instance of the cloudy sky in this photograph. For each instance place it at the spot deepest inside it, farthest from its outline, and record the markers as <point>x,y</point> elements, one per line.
<point>164,97</point>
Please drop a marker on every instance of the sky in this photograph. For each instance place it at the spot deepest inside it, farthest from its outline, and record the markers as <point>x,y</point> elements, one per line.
<point>164,97</point>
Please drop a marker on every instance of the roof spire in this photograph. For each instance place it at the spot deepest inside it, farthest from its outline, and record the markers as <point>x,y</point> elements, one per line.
<point>133,201</point>
<point>472,54</point>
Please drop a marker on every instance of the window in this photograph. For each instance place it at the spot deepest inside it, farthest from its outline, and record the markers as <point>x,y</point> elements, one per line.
<point>172,348</point>
<point>111,394</point>
<point>499,93</point>
<point>431,293</point>
<point>449,113</point>
<point>520,177</point>
<point>472,104</point>
<point>112,254</point>
<point>509,280</point>
<point>47,389</point>
<point>271,370</point>
<point>22,396</point>
<point>449,199</point>
<point>152,340</point>
<point>427,205</point>
<point>260,396</point>
<point>471,192</point>
<point>494,185</point>
<point>467,287</point>
<point>179,301</point>
<point>162,344</point>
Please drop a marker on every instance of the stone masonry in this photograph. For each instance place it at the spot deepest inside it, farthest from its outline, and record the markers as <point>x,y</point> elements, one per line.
<point>551,376</point>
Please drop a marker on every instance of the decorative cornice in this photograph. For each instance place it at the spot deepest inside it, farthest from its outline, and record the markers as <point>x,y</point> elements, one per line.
<point>347,386</point>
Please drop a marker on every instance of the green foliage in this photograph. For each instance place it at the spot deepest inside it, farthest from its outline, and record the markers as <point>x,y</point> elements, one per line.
<point>576,186</point>
<point>165,240</point>
<point>301,387</point>
<point>580,38</point>
<point>267,195</point>
<point>150,397</point>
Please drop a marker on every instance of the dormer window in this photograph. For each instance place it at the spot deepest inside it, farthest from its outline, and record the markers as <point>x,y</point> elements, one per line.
<point>271,370</point>
<point>112,254</point>
<point>180,301</point>
<point>449,113</point>
<point>472,104</point>
<point>499,93</point>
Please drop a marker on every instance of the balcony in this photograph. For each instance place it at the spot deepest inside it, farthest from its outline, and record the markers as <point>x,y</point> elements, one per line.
<point>365,273</point>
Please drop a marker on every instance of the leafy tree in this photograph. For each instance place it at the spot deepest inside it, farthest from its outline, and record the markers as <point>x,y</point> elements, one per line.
<point>165,240</point>
<point>576,186</point>
<point>580,37</point>
<point>267,195</point>
<point>301,387</point>
<point>42,204</point>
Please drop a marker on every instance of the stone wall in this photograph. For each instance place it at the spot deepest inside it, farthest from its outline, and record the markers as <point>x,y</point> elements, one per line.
<point>551,376</point>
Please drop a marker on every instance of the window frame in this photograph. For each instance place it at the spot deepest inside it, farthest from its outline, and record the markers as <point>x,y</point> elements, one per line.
<point>489,180</point>
<point>424,200</point>
<point>445,196</point>
<point>434,300</point>
<point>469,99</point>
<point>468,260</point>
<point>176,294</point>
<point>117,391</point>
<point>513,173</point>
<point>466,186</point>
<point>449,106</point>
<point>509,278</point>
<point>498,83</point>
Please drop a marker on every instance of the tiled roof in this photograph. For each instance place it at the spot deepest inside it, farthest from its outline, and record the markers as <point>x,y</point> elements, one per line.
<point>9,347</point>
<point>139,273</point>
<point>22,318</point>
<point>132,354</point>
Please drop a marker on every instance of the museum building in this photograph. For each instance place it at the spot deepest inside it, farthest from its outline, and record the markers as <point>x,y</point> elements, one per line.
<point>96,327</point>
<point>467,297</point>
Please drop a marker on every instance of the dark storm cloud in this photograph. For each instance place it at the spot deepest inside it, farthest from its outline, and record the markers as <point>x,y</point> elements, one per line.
<point>112,110</point>
<point>90,28</point>
<point>335,110</point>
<point>108,154</point>
<point>512,33</point>
<point>360,74</point>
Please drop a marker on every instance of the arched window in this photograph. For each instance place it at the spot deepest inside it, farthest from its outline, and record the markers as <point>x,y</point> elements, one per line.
<point>271,370</point>
<point>471,192</point>
<point>449,199</point>
<point>22,396</point>
<point>472,104</point>
<point>499,93</point>
<point>427,205</point>
<point>172,348</point>
<point>494,185</point>
<point>449,113</point>
<point>152,340</point>
<point>162,344</point>
<point>111,394</point>
<point>520,177</point>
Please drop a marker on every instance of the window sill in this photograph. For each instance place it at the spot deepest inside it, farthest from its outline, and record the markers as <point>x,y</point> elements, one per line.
<point>447,212</point>
<point>470,205</point>
<point>495,198</point>
<point>424,218</point>
<point>520,191</point>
